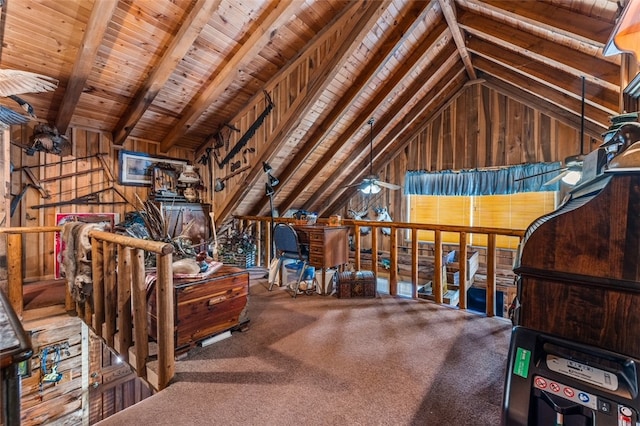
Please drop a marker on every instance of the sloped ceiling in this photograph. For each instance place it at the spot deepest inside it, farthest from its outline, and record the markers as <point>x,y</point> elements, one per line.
<point>174,72</point>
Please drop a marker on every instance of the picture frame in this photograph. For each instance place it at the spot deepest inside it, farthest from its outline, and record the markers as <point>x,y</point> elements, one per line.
<point>136,168</point>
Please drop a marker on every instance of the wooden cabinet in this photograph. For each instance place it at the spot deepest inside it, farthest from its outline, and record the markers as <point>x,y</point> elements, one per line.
<point>192,219</point>
<point>203,308</point>
<point>579,273</point>
<point>328,245</point>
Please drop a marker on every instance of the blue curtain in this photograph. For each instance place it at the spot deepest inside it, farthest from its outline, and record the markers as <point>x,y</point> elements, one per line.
<point>500,181</point>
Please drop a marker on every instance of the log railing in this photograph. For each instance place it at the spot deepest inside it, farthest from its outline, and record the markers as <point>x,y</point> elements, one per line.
<point>118,306</point>
<point>264,234</point>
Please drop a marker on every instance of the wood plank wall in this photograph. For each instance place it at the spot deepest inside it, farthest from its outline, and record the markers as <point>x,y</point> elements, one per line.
<point>482,128</point>
<point>66,178</point>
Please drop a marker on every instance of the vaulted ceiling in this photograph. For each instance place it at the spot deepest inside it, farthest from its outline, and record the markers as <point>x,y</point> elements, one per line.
<point>174,72</point>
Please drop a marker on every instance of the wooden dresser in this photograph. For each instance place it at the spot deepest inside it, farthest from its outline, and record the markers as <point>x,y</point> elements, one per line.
<point>206,307</point>
<point>328,245</point>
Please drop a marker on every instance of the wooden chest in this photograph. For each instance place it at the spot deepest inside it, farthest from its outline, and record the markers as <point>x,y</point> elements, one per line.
<point>205,307</point>
<point>356,284</point>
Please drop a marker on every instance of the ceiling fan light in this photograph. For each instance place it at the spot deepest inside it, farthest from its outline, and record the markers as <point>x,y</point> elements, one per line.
<point>370,188</point>
<point>572,177</point>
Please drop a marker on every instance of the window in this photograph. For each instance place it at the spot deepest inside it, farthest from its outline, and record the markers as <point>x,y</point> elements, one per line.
<point>513,211</point>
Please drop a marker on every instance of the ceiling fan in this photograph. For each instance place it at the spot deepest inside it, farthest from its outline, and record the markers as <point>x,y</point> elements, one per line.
<point>371,184</point>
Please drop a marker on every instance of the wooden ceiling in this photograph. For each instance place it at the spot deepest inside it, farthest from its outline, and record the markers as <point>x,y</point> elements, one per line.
<point>174,72</point>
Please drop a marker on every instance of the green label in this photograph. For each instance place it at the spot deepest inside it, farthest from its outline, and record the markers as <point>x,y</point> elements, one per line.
<point>521,364</point>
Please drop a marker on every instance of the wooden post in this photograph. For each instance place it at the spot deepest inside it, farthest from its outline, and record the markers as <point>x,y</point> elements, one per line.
<point>393,272</point>
<point>110,298</point>
<point>140,322</point>
<point>166,322</point>
<point>436,285</point>
<point>374,256</point>
<point>357,248</point>
<point>462,268</point>
<point>414,263</point>
<point>14,273</point>
<point>491,275</point>
<point>124,301</point>
<point>97,269</point>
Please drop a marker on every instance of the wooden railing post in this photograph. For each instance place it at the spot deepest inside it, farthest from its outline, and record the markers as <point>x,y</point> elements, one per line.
<point>374,255</point>
<point>393,252</point>
<point>97,273</point>
<point>140,322</point>
<point>414,263</point>
<point>110,298</point>
<point>356,243</point>
<point>491,275</point>
<point>14,272</point>
<point>462,271</point>
<point>124,284</point>
<point>166,324</point>
<point>437,273</point>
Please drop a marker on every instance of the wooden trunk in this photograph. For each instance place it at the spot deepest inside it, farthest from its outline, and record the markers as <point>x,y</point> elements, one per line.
<point>356,284</point>
<point>204,308</point>
<point>579,268</point>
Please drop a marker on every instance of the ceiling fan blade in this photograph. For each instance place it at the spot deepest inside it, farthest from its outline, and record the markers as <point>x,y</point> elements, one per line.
<point>387,185</point>
<point>557,178</point>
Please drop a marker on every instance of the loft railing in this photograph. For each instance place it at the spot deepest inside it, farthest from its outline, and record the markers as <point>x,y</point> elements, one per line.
<point>264,236</point>
<point>117,310</point>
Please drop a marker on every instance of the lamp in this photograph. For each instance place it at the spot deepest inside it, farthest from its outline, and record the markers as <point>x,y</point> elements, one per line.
<point>572,177</point>
<point>269,191</point>
<point>189,175</point>
<point>370,188</point>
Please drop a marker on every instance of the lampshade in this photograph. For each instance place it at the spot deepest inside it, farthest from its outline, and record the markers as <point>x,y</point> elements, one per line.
<point>572,177</point>
<point>273,181</point>
<point>625,37</point>
<point>370,188</point>
<point>189,175</point>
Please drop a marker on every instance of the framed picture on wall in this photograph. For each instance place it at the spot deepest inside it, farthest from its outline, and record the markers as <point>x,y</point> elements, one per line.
<point>136,168</point>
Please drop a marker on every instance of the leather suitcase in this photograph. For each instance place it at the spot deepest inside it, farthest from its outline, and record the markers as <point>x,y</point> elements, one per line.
<point>355,284</point>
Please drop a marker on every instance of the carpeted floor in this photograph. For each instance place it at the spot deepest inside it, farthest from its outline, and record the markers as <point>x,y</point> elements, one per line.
<point>319,360</point>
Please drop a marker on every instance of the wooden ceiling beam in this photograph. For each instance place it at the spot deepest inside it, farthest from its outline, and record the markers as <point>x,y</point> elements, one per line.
<point>555,19</point>
<point>540,103</point>
<point>361,148</point>
<point>259,36</point>
<point>366,16</point>
<point>449,12</point>
<point>541,49</point>
<point>345,102</point>
<point>420,116</point>
<point>180,45</point>
<point>561,80</point>
<point>592,113</point>
<point>85,60</point>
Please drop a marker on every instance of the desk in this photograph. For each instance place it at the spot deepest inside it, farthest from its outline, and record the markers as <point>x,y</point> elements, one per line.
<point>328,246</point>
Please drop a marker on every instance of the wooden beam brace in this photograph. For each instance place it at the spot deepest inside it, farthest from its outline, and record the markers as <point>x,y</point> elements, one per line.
<point>85,59</point>
<point>449,12</point>
<point>259,36</point>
